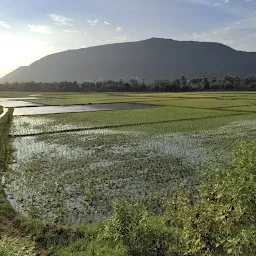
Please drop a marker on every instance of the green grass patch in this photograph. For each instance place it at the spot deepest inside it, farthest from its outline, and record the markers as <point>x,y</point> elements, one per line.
<point>16,246</point>
<point>199,100</point>
<point>190,125</point>
<point>127,117</point>
<point>196,95</point>
<point>199,103</point>
<point>86,100</point>
<point>243,108</point>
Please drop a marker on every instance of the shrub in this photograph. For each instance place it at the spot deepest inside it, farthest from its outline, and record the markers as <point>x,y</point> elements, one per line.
<point>220,217</point>
<point>139,231</point>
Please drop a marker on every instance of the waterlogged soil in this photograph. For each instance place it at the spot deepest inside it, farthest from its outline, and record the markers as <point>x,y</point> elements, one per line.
<point>77,108</point>
<point>74,177</point>
<point>26,106</point>
<point>23,125</point>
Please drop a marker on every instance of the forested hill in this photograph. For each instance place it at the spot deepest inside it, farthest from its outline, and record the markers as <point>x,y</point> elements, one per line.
<point>150,59</point>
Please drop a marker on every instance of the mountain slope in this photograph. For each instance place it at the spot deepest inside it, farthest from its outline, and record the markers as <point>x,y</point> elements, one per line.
<point>154,58</point>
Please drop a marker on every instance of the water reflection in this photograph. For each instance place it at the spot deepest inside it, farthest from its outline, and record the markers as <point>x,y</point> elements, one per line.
<point>76,108</point>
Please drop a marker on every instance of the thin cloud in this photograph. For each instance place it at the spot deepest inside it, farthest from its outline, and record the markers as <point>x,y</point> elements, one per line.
<point>61,20</point>
<point>240,35</point>
<point>116,39</point>
<point>93,22</point>
<point>70,31</point>
<point>4,24</point>
<point>120,38</point>
<point>208,2</point>
<point>119,29</point>
<point>106,23</point>
<point>42,29</point>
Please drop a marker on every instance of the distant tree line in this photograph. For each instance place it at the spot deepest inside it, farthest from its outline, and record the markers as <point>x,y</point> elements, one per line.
<point>227,83</point>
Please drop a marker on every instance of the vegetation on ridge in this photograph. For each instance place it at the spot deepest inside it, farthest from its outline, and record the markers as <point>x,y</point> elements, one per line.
<point>226,83</point>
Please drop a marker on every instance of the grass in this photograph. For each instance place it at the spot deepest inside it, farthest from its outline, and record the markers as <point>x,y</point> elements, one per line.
<point>111,118</point>
<point>80,99</point>
<point>243,108</point>
<point>200,95</point>
<point>10,245</point>
<point>193,125</point>
<point>200,102</point>
<point>7,213</point>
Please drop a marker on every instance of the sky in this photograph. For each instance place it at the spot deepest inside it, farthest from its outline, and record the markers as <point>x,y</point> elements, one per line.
<point>32,29</point>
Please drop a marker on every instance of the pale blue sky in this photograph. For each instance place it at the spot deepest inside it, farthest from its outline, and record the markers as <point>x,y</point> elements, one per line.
<point>30,29</point>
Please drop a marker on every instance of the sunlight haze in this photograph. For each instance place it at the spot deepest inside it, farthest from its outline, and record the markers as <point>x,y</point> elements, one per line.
<point>30,30</point>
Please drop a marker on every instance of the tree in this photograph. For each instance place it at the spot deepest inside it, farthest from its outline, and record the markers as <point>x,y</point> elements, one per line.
<point>183,80</point>
<point>206,84</point>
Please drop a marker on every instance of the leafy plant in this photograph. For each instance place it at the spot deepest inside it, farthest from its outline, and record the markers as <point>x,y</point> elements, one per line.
<point>16,246</point>
<point>219,217</point>
<point>139,231</point>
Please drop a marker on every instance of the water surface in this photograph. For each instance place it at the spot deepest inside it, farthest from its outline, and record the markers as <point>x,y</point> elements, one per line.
<point>18,102</point>
<point>76,108</point>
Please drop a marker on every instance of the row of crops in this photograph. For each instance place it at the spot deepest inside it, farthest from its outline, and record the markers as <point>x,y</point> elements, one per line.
<point>24,125</point>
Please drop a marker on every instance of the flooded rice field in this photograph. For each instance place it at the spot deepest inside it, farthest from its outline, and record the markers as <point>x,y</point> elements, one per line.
<point>76,108</point>
<point>26,106</point>
<point>74,177</point>
<point>69,168</point>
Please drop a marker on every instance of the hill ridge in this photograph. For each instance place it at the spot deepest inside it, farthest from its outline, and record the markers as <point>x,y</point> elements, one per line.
<point>152,59</point>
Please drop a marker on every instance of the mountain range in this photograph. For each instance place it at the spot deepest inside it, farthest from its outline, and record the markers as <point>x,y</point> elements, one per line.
<point>150,59</point>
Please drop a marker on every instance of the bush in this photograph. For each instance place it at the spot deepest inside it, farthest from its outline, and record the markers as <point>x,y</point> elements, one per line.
<point>220,217</point>
<point>139,231</point>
